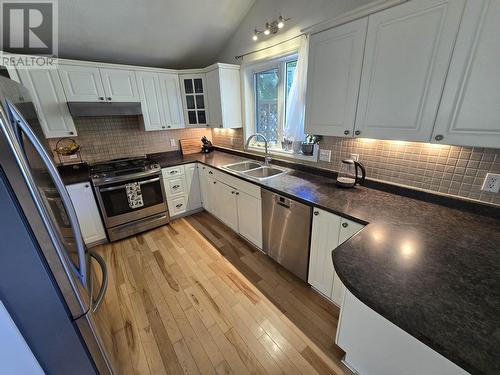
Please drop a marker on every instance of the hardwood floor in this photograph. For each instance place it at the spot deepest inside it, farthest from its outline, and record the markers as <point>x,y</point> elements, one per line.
<point>192,297</point>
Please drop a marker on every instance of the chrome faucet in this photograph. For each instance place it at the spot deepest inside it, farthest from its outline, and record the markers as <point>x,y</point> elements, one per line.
<point>267,157</point>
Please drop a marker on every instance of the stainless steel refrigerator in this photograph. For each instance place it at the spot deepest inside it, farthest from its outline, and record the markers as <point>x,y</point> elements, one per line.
<point>50,283</point>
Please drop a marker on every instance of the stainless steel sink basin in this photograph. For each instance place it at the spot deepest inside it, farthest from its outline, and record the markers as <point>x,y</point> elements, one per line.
<point>263,173</point>
<point>243,166</point>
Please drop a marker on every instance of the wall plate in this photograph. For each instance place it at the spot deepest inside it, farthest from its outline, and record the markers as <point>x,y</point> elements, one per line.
<point>325,155</point>
<point>491,183</point>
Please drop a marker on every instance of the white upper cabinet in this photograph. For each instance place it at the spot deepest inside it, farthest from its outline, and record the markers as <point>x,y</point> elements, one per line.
<point>171,100</point>
<point>224,96</point>
<point>194,99</point>
<point>48,96</point>
<point>119,85</point>
<point>151,101</point>
<point>407,55</point>
<point>470,112</point>
<point>82,83</point>
<point>334,73</point>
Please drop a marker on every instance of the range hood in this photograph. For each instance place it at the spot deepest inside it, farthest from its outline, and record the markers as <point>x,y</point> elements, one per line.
<point>100,109</point>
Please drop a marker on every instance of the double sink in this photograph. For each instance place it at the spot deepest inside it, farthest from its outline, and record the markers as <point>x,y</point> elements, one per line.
<point>255,170</point>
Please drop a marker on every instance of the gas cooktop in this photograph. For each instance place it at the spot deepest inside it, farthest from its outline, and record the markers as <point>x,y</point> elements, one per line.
<point>123,168</point>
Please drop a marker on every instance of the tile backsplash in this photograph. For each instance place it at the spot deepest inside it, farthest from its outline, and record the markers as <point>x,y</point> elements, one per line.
<point>453,170</point>
<point>105,138</point>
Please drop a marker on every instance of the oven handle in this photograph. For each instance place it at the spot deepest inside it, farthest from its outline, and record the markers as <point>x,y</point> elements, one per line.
<point>103,190</point>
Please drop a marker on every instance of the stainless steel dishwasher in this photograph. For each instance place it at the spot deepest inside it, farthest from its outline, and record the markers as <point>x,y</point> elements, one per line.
<point>286,231</point>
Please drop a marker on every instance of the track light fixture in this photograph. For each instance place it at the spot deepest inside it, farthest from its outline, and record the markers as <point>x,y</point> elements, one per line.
<point>270,28</point>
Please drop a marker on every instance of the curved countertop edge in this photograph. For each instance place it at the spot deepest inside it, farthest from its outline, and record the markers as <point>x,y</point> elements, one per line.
<point>292,190</point>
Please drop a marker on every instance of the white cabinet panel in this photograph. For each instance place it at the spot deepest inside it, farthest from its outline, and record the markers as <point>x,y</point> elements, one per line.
<point>192,187</point>
<point>407,55</point>
<point>151,100</point>
<point>87,212</point>
<point>81,83</point>
<point>120,85</point>
<point>469,114</point>
<point>172,101</point>
<point>204,187</point>
<point>325,238</point>
<point>224,97</point>
<point>226,205</point>
<point>177,205</point>
<point>175,186</point>
<point>334,73</point>
<point>48,96</point>
<point>212,202</point>
<point>374,345</point>
<point>348,229</point>
<point>250,218</point>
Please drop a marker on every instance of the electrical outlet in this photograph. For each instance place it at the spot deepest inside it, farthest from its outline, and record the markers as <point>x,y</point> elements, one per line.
<point>355,157</point>
<point>325,155</point>
<point>491,183</point>
<point>173,143</point>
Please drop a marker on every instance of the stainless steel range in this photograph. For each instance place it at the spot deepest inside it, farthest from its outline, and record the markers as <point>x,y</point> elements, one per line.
<point>114,181</point>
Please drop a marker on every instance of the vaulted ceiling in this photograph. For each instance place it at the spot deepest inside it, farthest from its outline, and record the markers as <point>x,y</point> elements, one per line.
<point>161,33</point>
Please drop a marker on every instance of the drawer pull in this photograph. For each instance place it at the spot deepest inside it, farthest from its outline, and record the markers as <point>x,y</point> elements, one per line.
<point>210,172</point>
<point>345,225</point>
<point>176,186</point>
<point>173,172</point>
<point>178,205</point>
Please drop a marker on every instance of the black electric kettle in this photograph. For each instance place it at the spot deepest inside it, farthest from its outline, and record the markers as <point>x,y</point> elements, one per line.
<point>348,173</point>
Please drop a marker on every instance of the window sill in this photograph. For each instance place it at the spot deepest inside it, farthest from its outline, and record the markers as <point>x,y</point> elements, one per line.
<point>288,154</point>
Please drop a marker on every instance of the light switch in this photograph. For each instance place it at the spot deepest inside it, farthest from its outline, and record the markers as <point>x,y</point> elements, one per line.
<point>355,157</point>
<point>325,155</point>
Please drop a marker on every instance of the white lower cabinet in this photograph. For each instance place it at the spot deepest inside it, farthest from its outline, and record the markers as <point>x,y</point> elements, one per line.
<point>374,345</point>
<point>87,212</point>
<point>328,232</point>
<point>250,218</point>
<point>226,205</point>
<point>182,188</point>
<point>235,202</point>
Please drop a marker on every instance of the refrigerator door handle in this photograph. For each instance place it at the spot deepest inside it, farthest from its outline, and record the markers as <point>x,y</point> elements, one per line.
<point>26,129</point>
<point>96,303</point>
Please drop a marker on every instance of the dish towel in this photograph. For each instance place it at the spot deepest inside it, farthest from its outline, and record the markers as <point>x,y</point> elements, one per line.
<point>134,195</point>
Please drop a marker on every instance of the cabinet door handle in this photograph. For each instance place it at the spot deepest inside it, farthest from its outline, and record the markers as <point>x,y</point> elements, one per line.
<point>101,98</point>
<point>215,182</point>
<point>86,186</point>
<point>316,213</point>
<point>347,132</point>
<point>176,186</point>
<point>109,98</point>
<point>345,225</point>
<point>210,172</point>
<point>173,172</point>
<point>357,132</point>
<point>179,205</point>
<point>237,193</point>
<point>438,137</point>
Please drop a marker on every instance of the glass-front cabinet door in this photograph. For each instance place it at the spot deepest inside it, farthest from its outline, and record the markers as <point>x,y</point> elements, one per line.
<point>194,97</point>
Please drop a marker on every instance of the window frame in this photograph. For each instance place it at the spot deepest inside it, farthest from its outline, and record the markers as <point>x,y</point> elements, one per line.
<point>279,63</point>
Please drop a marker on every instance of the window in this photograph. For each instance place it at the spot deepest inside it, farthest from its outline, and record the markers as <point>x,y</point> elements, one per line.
<point>272,85</point>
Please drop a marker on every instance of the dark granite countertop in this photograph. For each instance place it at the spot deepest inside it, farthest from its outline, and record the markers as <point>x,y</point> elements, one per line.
<point>431,269</point>
<point>74,174</point>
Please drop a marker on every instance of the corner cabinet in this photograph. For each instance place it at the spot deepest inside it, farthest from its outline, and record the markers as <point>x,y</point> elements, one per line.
<point>328,232</point>
<point>407,55</point>
<point>224,95</point>
<point>194,99</point>
<point>87,213</point>
<point>48,97</point>
<point>334,73</point>
<point>469,114</point>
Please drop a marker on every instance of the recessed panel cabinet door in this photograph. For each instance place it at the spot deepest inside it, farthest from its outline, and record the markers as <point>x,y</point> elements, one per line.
<point>334,72</point>
<point>151,100</point>
<point>407,55</point>
<point>193,187</point>
<point>120,85</point>
<point>325,238</point>
<point>226,205</point>
<point>87,212</point>
<point>469,114</point>
<point>250,218</point>
<point>172,100</point>
<point>48,96</point>
<point>81,83</point>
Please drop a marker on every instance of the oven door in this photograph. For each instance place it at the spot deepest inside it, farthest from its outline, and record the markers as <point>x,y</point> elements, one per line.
<point>114,205</point>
